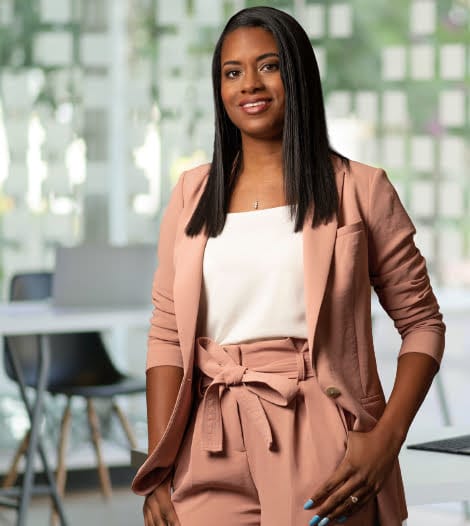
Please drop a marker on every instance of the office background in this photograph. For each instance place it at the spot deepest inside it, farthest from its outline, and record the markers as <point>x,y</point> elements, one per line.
<point>104,102</point>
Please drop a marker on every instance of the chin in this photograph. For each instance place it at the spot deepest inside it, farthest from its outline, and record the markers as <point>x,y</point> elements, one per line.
<point>265,133</point>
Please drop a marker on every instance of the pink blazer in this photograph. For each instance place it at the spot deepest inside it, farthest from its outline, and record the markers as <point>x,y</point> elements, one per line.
<point>370,242</point>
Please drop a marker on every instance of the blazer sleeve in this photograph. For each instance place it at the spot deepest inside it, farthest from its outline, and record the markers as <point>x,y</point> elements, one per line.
<point>163,346</point>
<point>398,272</point>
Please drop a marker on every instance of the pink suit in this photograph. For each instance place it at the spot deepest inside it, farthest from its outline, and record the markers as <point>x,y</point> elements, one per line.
<point>369,243</point>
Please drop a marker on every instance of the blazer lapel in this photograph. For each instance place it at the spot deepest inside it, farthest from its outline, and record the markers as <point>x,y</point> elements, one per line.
<point>318,247</point>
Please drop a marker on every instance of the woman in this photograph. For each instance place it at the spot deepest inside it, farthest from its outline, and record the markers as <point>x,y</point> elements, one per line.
<point>264,402</point>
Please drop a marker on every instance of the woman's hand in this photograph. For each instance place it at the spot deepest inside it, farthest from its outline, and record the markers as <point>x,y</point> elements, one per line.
<point>158,508</point>
<point>367,462</point>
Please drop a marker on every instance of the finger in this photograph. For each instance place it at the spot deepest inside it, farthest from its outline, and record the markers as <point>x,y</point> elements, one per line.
<point>163,506</point>
<point>169,513</point>
<point>145,512</point>
<point>339,503</point>
<point>349,507</point>
<point>162,497</point>
<point>154,512</point>
<point>343,473</point>
<point>172,519</point>
<point>148,518</point>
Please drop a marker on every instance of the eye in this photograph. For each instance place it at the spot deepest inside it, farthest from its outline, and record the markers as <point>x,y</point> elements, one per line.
<point>270,66</point>
<point>231,73</point>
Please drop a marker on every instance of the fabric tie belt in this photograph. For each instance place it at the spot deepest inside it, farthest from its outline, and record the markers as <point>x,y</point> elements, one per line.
<point>269,370</point>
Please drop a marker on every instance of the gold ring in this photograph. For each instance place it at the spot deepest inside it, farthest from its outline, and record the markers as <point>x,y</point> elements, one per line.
<point>354,499</point>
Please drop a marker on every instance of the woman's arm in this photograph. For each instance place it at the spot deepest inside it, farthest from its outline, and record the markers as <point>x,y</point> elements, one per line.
<point>163,383</point>
<point>371,456</point>
<point>399,276</point>
<point>163,346</point>
<point>164,367</point>
<point>415,373</point>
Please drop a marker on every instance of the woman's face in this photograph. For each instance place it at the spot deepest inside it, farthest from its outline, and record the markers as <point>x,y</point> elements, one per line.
<point>251,86</point>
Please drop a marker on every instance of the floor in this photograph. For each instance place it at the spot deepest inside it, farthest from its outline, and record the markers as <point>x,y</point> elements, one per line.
<point>87,508</point>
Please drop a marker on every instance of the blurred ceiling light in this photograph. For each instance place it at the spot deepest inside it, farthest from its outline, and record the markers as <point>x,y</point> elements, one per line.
<point>75,160</point>
<point>148,158</point>
<point>62,205</point>
<point>36,78</point>
<point>4,151</point>
<point>37,168</point>
<point>64,113</point>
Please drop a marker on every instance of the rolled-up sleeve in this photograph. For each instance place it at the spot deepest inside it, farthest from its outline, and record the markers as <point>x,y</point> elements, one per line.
<point>398,272</point>
<point>163,346</point>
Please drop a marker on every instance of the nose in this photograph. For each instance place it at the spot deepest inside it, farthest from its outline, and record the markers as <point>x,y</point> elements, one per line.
<point>251,81</point>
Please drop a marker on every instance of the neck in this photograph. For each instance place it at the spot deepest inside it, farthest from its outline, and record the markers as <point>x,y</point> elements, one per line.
<point>261,159</point>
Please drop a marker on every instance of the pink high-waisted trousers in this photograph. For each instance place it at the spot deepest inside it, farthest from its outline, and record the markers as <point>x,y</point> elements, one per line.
<point>262,437</point>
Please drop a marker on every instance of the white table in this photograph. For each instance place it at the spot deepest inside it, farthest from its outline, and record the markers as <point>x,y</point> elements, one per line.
<point>40,317</point>
<point>432,477</point>
<point>33,317</point>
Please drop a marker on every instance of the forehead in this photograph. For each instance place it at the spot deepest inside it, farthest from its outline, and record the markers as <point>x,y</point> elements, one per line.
<point>247,40</point>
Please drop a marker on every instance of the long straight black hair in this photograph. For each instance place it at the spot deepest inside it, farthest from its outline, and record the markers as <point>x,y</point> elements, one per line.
<point>308,168</point>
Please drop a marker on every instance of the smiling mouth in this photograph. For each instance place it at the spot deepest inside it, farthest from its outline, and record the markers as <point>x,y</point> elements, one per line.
<point>252,108</point>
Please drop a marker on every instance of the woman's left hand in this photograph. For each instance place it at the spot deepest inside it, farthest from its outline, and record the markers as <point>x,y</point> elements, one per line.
<point>367,462</point>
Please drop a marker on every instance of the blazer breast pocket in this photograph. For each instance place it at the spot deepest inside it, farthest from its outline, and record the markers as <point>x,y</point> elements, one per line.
<point>349,229</point>
<point>349,265</point>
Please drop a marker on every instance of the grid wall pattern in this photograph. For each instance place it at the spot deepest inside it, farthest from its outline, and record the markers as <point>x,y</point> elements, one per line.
<point>396,83</point>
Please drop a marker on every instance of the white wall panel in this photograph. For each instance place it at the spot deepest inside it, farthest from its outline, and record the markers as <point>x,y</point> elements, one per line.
<point>53,48</point>
<point>422,61</point>
<point>340,21</point>
<point>423,17</point>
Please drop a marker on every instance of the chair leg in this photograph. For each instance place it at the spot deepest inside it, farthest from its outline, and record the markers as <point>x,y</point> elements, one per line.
<point>125,425</point>
<point>12,475</point>
<point>61,473</point>
<point>96,437</point>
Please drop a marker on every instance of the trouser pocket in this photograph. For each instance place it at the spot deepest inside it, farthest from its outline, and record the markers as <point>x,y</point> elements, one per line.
<point>347,418</point>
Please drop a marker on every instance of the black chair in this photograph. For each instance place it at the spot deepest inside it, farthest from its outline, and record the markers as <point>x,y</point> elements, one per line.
<point>79,366</point>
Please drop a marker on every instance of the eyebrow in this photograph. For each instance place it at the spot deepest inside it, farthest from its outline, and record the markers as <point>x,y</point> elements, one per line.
<point>261,57</point>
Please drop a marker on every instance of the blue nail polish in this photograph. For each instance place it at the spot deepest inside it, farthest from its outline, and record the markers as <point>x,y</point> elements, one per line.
<point>324,522</point>
<point>308,505</point>
<point>341,519</point>
<point>314,520</point>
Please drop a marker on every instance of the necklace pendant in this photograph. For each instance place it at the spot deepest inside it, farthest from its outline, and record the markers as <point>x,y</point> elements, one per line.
<point>255,205</point>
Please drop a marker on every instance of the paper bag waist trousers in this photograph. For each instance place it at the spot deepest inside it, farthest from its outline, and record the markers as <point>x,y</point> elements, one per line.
<point>261,438</point>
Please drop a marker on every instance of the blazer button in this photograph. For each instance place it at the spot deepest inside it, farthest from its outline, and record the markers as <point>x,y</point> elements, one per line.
<point>332,392</point>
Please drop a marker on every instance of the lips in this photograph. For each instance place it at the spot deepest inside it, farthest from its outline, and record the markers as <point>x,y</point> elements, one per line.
<point>255,106</point>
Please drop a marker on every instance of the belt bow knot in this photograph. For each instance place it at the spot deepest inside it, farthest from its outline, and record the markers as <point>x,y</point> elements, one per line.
<point>247,385</point>
<point>231,375</point>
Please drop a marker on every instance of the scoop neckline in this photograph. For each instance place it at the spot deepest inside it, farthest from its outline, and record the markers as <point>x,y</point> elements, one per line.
<point>257,211</point>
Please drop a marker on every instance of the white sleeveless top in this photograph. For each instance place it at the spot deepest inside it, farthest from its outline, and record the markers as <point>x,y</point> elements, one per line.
<point>253,280</point>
